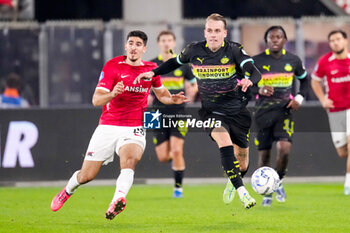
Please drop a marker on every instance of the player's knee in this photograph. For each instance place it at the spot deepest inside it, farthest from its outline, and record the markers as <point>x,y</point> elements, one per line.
<point>85,178</point>
<point>163,158</point>
<point>343,154</point>
<point>176,152</point>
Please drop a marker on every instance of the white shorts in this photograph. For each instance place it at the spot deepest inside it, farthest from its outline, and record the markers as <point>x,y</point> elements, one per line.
<point>339,123</point>
<point>108,139</point>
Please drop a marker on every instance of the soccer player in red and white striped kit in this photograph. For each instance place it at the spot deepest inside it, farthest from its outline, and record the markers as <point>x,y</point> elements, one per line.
<point>120,128</point>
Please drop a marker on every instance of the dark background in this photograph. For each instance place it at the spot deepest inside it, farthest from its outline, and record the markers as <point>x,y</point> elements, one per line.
<point>108,9</point>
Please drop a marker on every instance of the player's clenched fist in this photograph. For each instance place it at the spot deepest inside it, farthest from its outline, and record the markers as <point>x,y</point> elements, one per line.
<point>118,89</point>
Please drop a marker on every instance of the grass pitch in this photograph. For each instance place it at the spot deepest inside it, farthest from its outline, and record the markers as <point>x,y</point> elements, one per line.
<point>150,208</point>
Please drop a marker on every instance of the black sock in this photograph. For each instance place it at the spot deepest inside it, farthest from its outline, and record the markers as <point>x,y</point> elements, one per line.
<point>281,174</point>
<point>231,166</point>
<point>244,172</point>
<point>178,175</point>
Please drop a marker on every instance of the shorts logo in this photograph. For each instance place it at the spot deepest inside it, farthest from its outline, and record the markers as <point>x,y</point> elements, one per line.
<point>90,153</point>
<point>151,120</point>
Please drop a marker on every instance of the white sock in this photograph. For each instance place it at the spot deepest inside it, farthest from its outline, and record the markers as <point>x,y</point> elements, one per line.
<point>347,180</point>
<point>124,183</point>
<point>241,191</point>
<point>73,183</point>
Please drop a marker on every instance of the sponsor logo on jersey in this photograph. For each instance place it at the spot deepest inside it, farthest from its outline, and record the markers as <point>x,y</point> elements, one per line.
<point>276,80</point>
<point>136,89</point>
<point>288,67</point>
<point>124,76</point>
<point>214,71</point>
<point>341,79</point>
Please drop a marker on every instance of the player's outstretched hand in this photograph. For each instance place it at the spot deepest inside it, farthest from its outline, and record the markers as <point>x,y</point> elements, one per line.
<point>145,76</point>
<point>293,105</point>
<point>179,98</point>
<point>244,83</point>
<point>118,89</point>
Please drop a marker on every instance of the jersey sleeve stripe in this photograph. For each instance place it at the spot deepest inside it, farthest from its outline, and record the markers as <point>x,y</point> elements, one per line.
<point>157,87</point>
<point>178,59</point>
<point>245,61</point>
<point>313,76</point>
<point>301,76</point>
<point>103,88</point>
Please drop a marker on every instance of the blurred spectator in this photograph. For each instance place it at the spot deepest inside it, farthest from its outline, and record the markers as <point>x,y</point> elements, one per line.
<point>10,98</point>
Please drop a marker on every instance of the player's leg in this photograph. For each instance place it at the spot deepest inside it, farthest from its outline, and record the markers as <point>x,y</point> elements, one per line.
<point>230,164</point>
<point>347,178</point>
<point>162,145</point>
<point>130,154</point>
<point>100,150</point>
<point>178,164</point>
<point>283,134</point>
<point>339,126</point>
<point>263,142</point>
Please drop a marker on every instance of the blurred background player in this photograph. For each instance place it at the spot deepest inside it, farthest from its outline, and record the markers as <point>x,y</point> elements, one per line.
<point>10,98</point>
<point>333,71</point>
<point>275,102</point>
<point>120,128</point>
<point>170,141</point>
<point>224,73</point>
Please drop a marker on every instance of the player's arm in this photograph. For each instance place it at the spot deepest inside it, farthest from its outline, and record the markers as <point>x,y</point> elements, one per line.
<point>317,88</point>
<point>164,68</point>
<point>102,97</point>
<point>167,66</point>
<point>246,63</point>
<point>164,96</point>
<point>316,84</point>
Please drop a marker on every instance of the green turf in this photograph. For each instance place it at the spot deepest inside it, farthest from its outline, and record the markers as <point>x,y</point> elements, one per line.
<point>150,208</point>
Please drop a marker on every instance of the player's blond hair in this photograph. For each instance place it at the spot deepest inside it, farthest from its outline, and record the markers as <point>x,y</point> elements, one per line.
<point>217,17</point>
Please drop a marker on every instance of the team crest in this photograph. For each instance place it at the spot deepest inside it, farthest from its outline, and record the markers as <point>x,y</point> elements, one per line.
<point>177,72</point>
<point>224,60</point>
<point>288,67</point>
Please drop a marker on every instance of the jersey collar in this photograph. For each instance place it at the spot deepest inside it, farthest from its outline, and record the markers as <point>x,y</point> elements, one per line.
<point>267,52</point>
<point>160,57</point>
<point>223,44</point>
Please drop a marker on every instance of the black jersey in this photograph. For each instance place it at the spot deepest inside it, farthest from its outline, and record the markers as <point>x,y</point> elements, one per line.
<point>217,75</point>
<point>278,73</point>
<point>174,81</point>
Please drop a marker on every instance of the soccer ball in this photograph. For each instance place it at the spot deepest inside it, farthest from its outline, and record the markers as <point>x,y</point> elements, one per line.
<point>265,180</point>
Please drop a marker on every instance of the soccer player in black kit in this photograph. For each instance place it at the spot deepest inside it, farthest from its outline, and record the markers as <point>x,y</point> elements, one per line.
<point>169,142</point>
<point>275,102</point>
<point>224,73</point>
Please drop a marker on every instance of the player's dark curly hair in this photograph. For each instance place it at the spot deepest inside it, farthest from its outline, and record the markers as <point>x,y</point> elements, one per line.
<point>274,28</point>
<point>337,31</point>
<point>138,33</point>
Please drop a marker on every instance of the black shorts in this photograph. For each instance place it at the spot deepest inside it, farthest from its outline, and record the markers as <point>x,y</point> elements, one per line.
<point>162,135</point>
<point>238,126</point>
<point>280,127</point>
